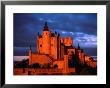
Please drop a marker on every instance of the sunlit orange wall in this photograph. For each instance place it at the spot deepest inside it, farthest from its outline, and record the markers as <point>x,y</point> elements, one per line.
<point>53,50</point>
<point>62,40</point>
<point>65,70</point>
<point>93,64</point>
<point>46,42</point>
<point>82,58</point>
<point>62,52</point>
<point>71,52</point>
<point>39,42</point>
<point>87,58</point>
<point>41,59</point>
<point>60,64</point>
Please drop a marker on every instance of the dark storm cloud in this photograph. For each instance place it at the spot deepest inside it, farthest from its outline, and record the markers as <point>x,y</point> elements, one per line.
<point>82,27</point>
<point>72,22</point>
<point>23,51</point>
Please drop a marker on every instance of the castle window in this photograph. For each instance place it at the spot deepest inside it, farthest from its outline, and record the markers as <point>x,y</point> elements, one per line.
<point>67,51</point>
<point>51,44</point>
<point>40,45</point>
<point>72,52</point>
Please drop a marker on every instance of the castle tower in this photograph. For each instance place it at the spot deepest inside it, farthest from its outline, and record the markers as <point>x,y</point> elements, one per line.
<point>68,41</point>
<point>39,43</point>
<point>46,40</point>
<point>78,46</point>
<point>37,49</point>
<point>54,45</point>
<point>80,54</point>
<point>58,47</point>
<point>79,50</point>
<point>65,68</point>
<point>30,55</point>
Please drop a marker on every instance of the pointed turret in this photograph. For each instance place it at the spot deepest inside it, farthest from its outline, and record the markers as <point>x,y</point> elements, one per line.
<point>38,33</point>
<point>55,32</point>
<point>46,39</point>
<point>30,54</point>
<point>58,34</point>
<point>30,47</point>
<point>78,46</point>
<point>45,27</point>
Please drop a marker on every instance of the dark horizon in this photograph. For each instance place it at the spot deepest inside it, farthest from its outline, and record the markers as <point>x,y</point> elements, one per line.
<point>82,27</point>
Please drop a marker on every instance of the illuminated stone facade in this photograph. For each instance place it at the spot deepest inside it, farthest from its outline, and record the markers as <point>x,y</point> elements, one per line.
<point>55,50</point>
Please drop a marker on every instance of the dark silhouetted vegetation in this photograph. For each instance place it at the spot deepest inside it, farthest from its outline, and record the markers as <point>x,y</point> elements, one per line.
<point>55,66</point>
<point>21,64</point>
<point>36,65</point>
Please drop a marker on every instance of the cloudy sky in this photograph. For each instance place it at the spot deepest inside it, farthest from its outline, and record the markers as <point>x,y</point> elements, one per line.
<point>82,27</point>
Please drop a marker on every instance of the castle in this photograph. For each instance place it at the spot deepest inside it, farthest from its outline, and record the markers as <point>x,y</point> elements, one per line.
<point>57,51</point>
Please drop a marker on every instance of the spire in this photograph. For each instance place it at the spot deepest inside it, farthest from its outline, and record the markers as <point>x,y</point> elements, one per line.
<point>46,27</point>
<point>55,32</point>
<point>46,24</point>
<point>30,47</point>
<point>38,33</point>
<point>78,46</point>
<point>58,34</point>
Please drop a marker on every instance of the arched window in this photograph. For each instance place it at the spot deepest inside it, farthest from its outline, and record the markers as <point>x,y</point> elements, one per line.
<point>40,45</point>
<point>56,66</point>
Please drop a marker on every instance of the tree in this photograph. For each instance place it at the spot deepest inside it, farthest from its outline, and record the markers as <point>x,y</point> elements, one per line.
<point>55,66</point>
<point>70,63</point>
<point>36,65</point>
<point>76,62</point>
<point>48,65</point>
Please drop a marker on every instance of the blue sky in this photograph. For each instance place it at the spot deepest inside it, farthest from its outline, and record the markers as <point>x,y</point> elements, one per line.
<point>82,27</point>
